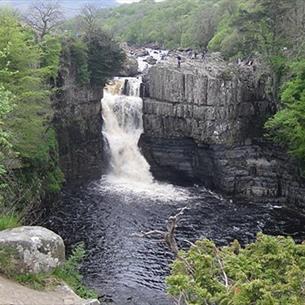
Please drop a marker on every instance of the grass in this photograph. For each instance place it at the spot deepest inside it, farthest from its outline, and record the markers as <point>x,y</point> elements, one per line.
<point>36,281</point>
<point>9,221</point>
<point>69,273</point>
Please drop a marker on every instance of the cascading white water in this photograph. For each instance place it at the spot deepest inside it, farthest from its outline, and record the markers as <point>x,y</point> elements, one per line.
<point>123,126</point>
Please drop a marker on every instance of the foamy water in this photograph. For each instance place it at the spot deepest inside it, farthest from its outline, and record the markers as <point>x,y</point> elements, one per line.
<point>123,126</point>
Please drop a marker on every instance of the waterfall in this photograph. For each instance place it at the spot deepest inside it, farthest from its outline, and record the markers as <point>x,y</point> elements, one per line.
<point>123,127</point>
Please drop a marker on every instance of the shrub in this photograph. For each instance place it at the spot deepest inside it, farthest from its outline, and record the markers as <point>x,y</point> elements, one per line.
<point>268,272</point>
<point>70,274</point>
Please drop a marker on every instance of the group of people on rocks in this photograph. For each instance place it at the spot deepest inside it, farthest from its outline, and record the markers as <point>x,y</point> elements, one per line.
<point>191,54</point>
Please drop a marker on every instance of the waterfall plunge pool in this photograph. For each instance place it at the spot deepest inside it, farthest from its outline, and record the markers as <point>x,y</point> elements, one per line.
<point>106,214</point>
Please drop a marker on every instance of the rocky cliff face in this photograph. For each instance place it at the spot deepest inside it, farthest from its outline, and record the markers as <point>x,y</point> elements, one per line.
<point>204,122</point>
<point>78,124</point>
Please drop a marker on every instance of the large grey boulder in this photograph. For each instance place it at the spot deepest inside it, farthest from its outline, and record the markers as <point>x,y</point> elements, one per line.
<point>32,249</point>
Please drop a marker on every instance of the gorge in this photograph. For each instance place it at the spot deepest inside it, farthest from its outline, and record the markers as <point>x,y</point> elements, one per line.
<point>108,213</point>
<point>153,153</point>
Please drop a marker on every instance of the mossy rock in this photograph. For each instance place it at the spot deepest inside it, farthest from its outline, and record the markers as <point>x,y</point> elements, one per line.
<point>30,250</point>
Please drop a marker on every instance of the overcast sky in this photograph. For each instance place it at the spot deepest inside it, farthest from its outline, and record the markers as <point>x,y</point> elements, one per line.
<point>22,3</point>
<point>71,7</point>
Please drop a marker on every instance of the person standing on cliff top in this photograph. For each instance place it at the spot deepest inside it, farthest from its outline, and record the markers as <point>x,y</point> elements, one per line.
<point>179,61</point>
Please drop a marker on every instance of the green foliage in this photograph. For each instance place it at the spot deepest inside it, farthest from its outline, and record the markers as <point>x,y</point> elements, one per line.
<point>6,106</point>
<point>95,57</point>
<point>237,28</point>
<point>79,58</point>
<point>36,281</point>
<point>105,58</point>
<point>9,221</point>
<point>287,126</point>
<point>171,23</point>
<point>269,271</point>
<point>28,149</point>
<point>50,55</point>
<point>70,274</point>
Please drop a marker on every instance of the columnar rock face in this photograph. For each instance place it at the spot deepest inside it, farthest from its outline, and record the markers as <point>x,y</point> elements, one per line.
<point>78,124</point>
<point>220,105</point>
<point>204,122</point>
<point>31,249</point>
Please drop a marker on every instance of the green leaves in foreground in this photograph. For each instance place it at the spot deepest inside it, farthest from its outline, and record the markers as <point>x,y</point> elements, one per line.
<point>270,271</point>
<point>9,221</point>
<point>70,274</point>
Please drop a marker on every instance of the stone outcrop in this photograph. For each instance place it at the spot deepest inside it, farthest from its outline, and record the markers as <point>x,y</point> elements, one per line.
<point>130,67</point>
<point>204,123</point>
<point>32,249</point>
<point>78,123</point>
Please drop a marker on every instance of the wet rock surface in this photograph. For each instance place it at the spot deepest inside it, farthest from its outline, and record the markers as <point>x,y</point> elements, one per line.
<point>204,122</point>
<point>33,249</point>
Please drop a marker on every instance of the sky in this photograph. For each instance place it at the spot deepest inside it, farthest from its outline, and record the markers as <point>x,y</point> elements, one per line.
<point>71,7</point>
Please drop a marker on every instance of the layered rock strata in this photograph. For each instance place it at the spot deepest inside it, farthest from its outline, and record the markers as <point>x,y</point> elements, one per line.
<point>203,123</point>
<point>78,123</point>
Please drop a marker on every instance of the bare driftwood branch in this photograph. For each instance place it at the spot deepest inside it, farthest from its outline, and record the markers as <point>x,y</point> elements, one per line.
<point>169,235</point>
<point>221,266</point>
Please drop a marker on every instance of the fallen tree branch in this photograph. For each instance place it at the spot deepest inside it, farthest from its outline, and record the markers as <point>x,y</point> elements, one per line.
<point>169,235</point>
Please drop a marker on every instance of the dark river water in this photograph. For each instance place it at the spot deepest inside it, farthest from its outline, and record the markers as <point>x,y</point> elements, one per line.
<point>126,269</point>
<point>108,214</point>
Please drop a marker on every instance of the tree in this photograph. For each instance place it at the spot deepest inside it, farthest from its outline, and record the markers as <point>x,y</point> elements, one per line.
<point>89,17</point>
<point>206,25</point>
<point>28,160</point>
<point>288,125</point>
<point>44,17</point>
<point>105,58</point>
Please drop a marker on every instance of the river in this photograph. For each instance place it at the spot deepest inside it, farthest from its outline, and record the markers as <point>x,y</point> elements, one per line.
<point>109,213</point>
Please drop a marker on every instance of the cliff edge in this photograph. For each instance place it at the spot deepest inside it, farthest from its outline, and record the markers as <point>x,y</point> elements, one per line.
<point>78,124</point>
<point>203,122</point>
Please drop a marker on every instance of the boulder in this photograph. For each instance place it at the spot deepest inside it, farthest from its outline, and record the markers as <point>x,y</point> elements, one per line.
<point>32,249</point>
<point>150,60</point>
<point>130,67</point>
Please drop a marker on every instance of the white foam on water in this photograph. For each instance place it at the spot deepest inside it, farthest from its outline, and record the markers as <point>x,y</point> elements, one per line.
<point>129,171</point>
<point>156,54</point>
